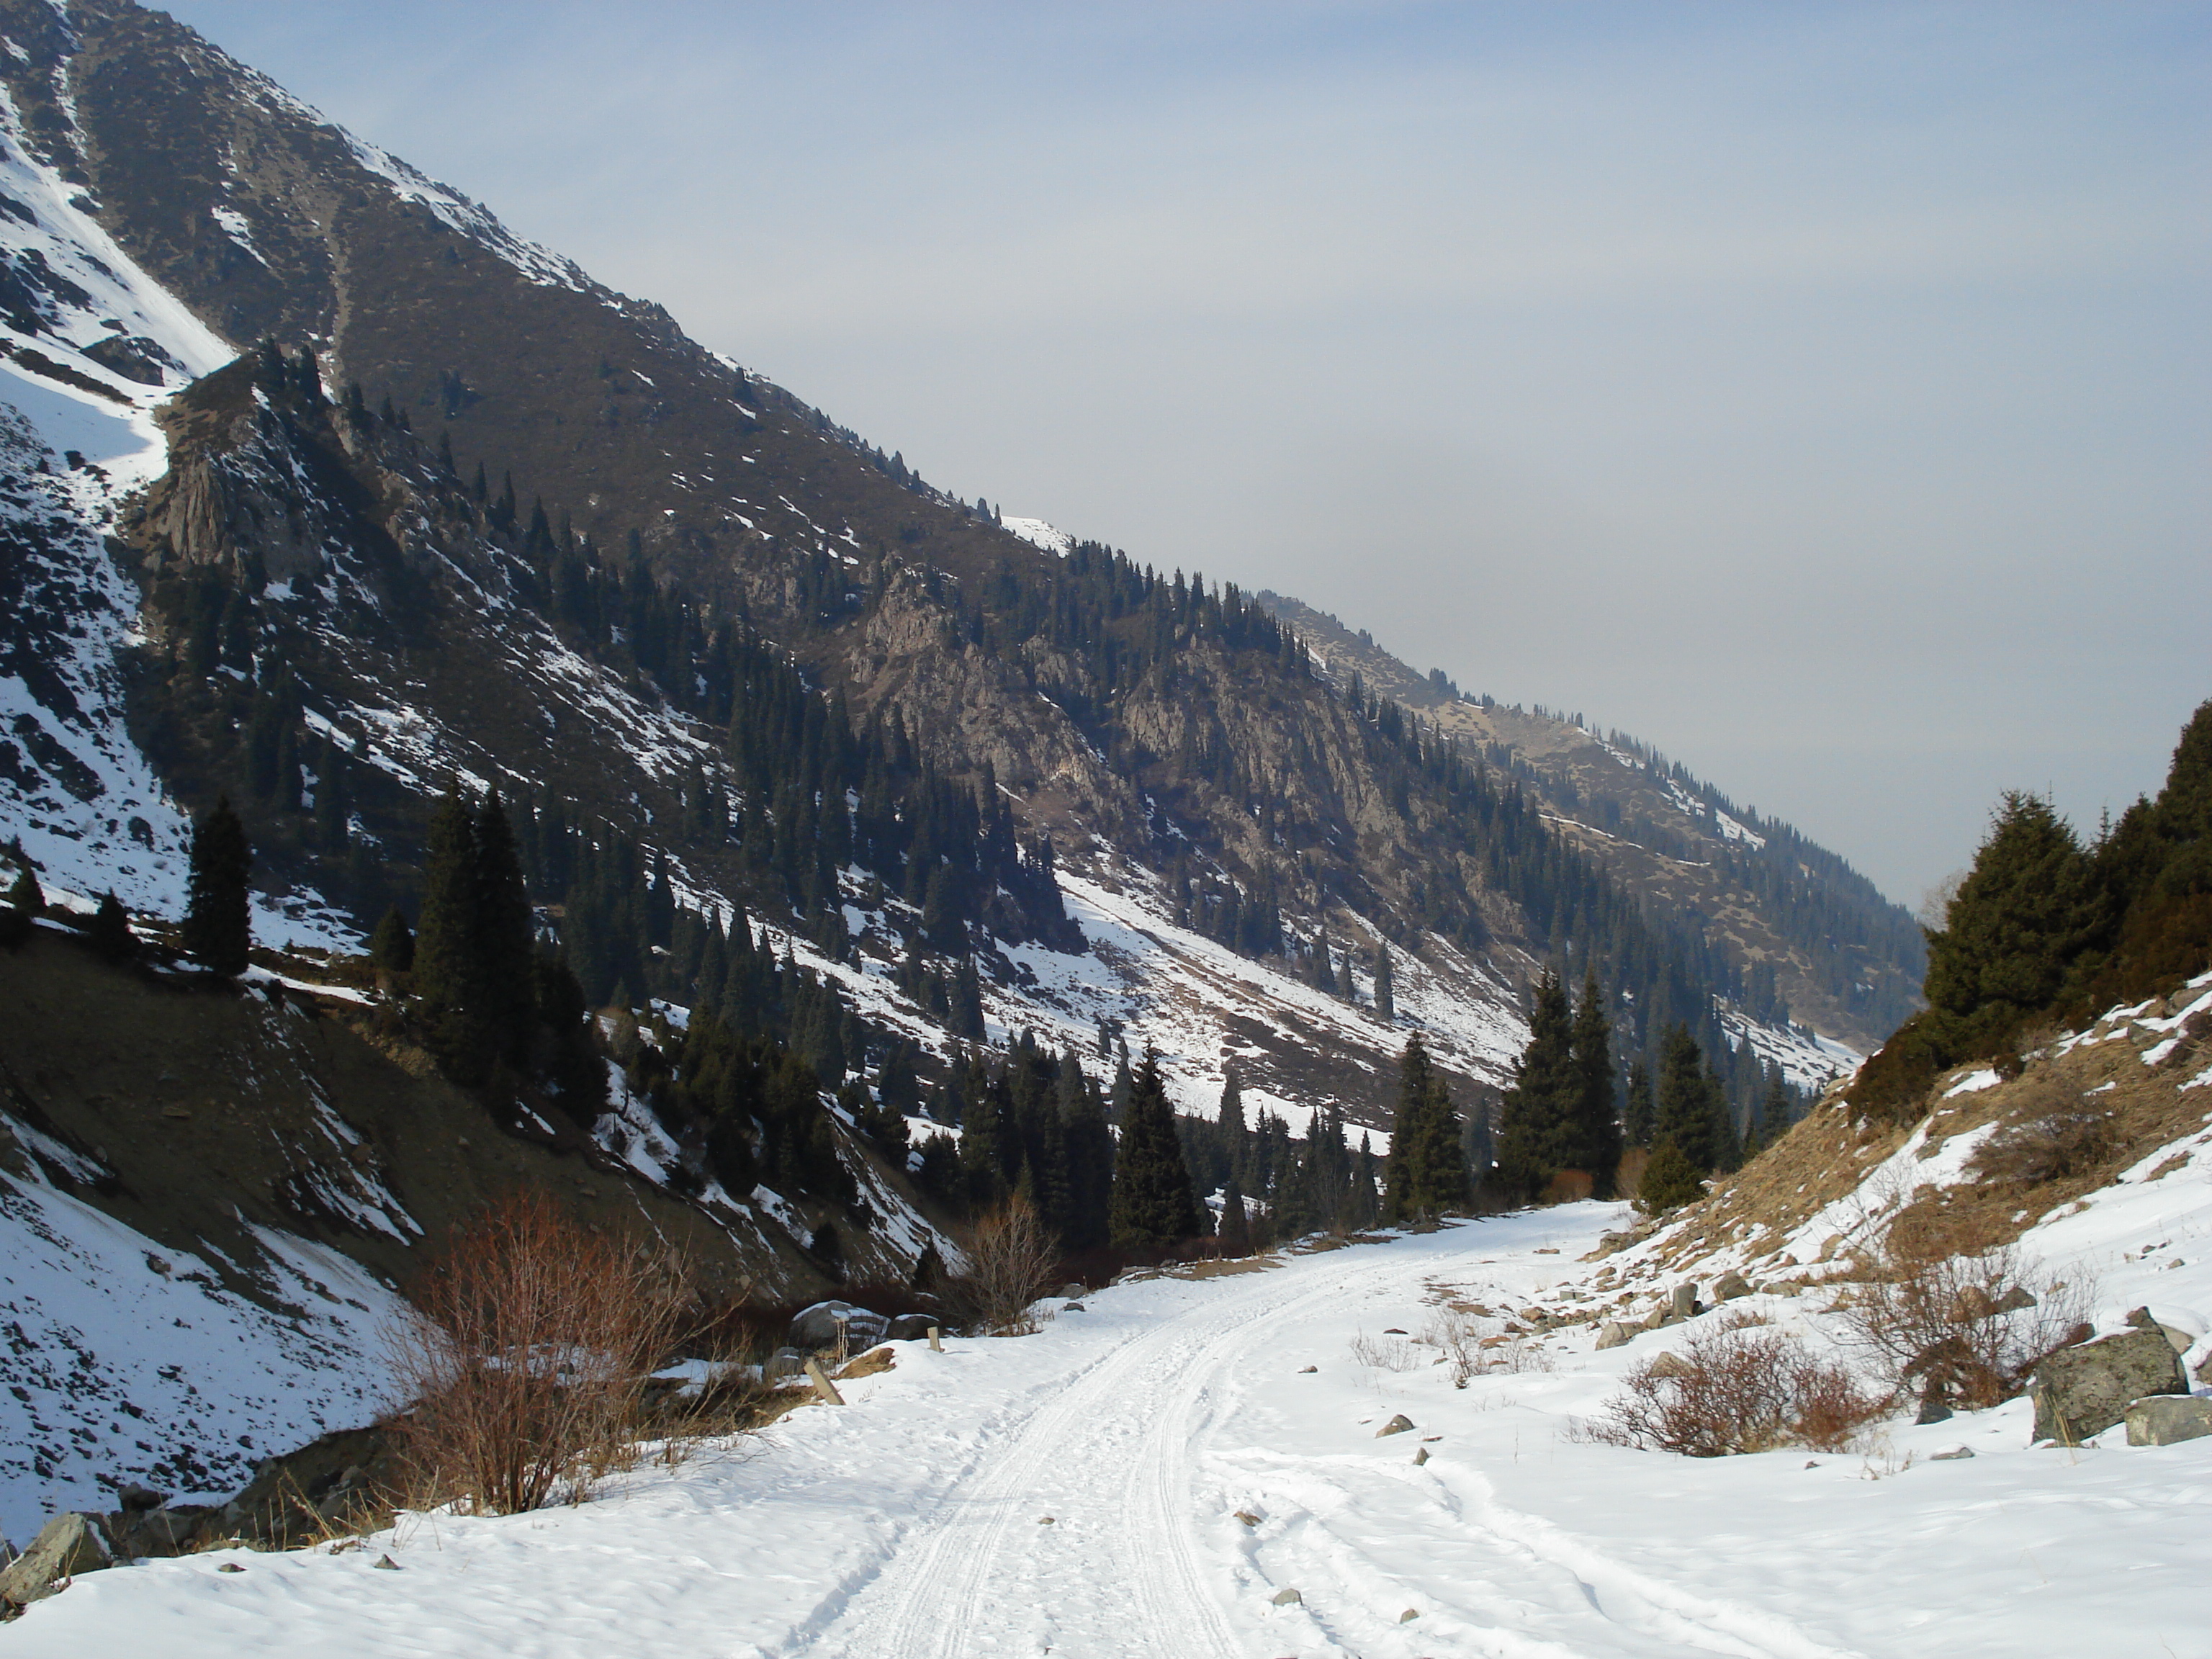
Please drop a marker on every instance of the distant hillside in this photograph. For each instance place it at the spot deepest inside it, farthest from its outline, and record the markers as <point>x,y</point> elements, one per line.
<point>1811,940</point>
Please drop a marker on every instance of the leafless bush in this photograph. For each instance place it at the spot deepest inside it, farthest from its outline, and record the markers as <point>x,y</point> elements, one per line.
<point>1962,1329</point>
<point>1736,1390</point>
<point>1459,1339</point>
<point>1387,1353</point>
<point>524,1358</point>
<point>2050,1148</point>
<point>1010,1261</point>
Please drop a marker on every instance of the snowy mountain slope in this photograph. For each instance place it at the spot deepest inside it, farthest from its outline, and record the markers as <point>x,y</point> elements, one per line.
<point>1147,1476</point>
<point>1801,927</point>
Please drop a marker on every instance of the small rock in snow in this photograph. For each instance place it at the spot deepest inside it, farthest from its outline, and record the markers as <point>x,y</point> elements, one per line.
<point>1308,1371</point>
<point>386,1564</point>
<point>1409,1615</point>
<point>1044,1520</point>
<point>1420,1457</point>
<point>1398,1425</point>
<point>230,1566</point>
<point>1950,1454</point>
<point>1285,1598</point>
<point>1248,1517</point>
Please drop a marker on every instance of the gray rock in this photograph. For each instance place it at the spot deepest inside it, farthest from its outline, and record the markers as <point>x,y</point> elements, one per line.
<point>821,1324</point>
<point>1657,1320</point>
<point>1951,1455</point>
<point>137,1500</point>
<point>1073,1292</point>
<point>784,1362</point>
<point>1308,1371</point>
<point>66,1545</point>
<point>1669,1364</point>
<point>1397,1425</point>
<point>1074,1307</point>
<point>1685,1304</point>
<point>1932,1408</point>
<point>909,1328</point>
<point>1730,1286</point>
<point>2166,1420</point>
<point>1420,1457</point>
<point>386,1564</point>
<point>1614,1333</point>
<point>2085,1390</point>
<point>1409,1615</point>
<point>2013,1300</point>
<point>1287,1598</point>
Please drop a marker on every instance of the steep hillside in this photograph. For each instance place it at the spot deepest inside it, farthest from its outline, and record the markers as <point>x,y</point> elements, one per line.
<point>206,1209</point>
<point>1807,937</point>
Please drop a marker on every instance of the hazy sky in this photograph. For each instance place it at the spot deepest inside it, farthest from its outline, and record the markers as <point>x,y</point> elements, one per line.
<point>1818,393</point>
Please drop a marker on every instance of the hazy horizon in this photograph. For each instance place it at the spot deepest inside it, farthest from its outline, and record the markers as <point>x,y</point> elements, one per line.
<point>1816,393</point>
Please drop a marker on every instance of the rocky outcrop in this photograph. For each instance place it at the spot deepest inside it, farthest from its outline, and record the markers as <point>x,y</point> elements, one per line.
<point>2083,1391</point>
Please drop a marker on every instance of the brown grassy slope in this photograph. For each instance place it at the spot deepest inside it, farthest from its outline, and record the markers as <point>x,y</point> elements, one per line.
<point>201,1106</point>
<point>1825,1157</point>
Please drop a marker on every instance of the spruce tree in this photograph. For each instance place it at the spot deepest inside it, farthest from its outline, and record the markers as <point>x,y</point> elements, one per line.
<point>505,942</point>
<point>1596,1122</point>
<point>1235,1226</point>
<point>1229,1129</point>
<point>1426,1174</point>
<point>1386,1005</point>
<point>110,930</point>
<point>218,928</point>
<point>1671,1179</point>
<point>448,962</point>
<point>1536,1118</point>
<point>1637,1115</point>
<point>1152,1207</point>
<point>2015,926</point>
<point>24,894</point>
<point>1685,1106</point>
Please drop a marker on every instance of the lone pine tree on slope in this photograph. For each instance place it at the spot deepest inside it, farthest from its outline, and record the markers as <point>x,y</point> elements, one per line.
<point>218,931</point>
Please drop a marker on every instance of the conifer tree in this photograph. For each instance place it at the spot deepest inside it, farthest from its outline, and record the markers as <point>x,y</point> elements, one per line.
<point>24,894</point>
<point>1536,1118</point>
<point>218,929</point>
<point>1089,1157</point>
<point>2016,923</point>
<point>1386,1005</point>
<point>449,967</point>
<point>1152,1207</point>
<point>1426,1174</point>
<point>110,930</point>
<point>1686,1115</point>
<point>1671,1179</point>
<point>1235,1232</point>
<point>1229,1130</point>
<point>504,944</point>
<point>1637,1115</point>
<point>1596,1123</point>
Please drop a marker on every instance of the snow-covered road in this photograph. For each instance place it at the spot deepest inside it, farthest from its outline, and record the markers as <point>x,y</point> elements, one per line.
<point>914,1521</point>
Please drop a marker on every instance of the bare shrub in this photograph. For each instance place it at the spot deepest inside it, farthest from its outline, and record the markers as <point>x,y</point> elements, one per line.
<point>1736,1390</point>
<point>2050,1148</point>
<point>1458,1337</point>
<point>525,1357</point>
<point>1961,1328</point>
<point>1011,1259</point>
<point>1386,1353</point>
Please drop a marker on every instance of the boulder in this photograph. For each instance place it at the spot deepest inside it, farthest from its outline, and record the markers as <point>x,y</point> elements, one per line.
<point>1614,1333</point>
<point>1075,1306</point>
<point>2013,1300</point>
<point>1669,1364</point>
<point>1287,1598</point>
<point>66,1545</point>
<point>909,1328</point>
<point>2084,1390</point>
<point>1073,1292</point>
<point>1730,1286</point>
<point>1684,1303</point>
<point>1397,1425</point>
<point>823,1324</point>
<point>2166,1419</point>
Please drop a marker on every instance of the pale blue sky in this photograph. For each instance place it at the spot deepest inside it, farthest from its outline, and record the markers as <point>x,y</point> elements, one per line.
<point>1816,391</point>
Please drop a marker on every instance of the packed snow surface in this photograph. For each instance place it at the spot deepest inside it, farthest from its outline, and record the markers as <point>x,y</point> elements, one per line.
<point>1080,1491</point>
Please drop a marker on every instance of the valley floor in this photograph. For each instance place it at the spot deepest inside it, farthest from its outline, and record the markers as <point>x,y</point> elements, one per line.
<point>915,1521</point>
